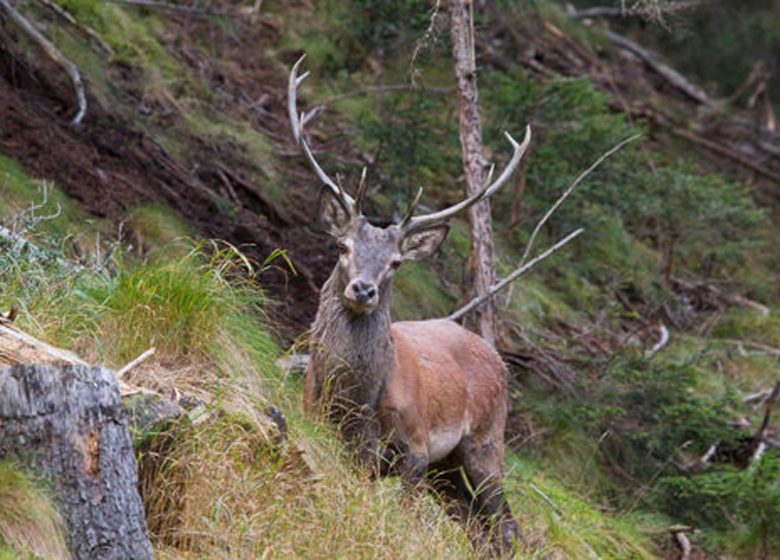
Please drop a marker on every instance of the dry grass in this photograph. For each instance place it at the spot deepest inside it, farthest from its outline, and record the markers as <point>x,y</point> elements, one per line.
<point>29,524</point>
<point>220,490</point>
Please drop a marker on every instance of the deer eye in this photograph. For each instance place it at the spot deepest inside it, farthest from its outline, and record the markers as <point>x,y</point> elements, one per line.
<point>396,263</point>
<point>343,248</point>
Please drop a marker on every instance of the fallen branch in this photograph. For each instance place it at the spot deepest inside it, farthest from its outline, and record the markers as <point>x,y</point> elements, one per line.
<point>86,30</point>
<point>55,54</point>
<point>672,76</point>
<point>731,154</point>
<point>135,363</point>
<point>662,342</point>
<point>683,543</point>
<point>172,7</point>
<point>477,301</point>
<point>733,299</point>
<point>640,12</point>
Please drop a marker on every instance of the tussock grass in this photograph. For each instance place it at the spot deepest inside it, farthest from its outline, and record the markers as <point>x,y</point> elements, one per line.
<point>223,492</point>
<point>30,526</point>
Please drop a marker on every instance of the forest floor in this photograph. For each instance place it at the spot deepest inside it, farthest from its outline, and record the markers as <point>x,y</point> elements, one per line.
<point>189,114</point>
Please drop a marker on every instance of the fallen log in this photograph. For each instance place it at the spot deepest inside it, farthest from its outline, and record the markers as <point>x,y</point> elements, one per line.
<point>66,423</point>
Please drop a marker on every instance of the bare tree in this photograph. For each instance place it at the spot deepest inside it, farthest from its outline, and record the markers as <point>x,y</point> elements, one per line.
<point>482,271</point>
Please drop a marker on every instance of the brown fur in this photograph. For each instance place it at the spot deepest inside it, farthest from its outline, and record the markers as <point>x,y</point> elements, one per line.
<point>430,389</point>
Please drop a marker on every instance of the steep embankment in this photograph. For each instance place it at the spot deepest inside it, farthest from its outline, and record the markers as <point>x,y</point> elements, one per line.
<point>186,133</point>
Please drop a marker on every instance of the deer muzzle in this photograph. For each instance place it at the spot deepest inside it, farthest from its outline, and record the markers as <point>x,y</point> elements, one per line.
<point>361,296</point>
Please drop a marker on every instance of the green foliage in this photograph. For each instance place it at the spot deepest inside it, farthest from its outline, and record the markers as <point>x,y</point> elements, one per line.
<point>639,417</point>
<point>713,220</point>
<point>373,28</point>
<point>181,307</point>
<point>743,504</point>
<point>30,526</point>
<point>572,128</point>
<point>573,527</point>
<point>407,137</point>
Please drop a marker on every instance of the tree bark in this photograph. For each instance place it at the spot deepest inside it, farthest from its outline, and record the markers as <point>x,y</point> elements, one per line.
<point>66,422</point>
<point>482,271</point>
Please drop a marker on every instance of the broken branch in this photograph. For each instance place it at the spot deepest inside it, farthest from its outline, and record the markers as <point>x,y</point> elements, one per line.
<point>171,6</point>
<point>570,190</point>
<point>135,363</point>
<point>55,54</point>
<point>477,301</point>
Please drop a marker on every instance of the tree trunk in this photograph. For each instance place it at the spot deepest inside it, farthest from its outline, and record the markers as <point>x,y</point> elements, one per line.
<point>482,270</point>
<point>66,422</point>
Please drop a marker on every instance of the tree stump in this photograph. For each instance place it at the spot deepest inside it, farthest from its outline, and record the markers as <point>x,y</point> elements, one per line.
<point>66,422</point>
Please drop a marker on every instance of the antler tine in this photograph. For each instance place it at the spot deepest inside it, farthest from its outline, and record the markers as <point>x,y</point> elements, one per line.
<point>411,209</point>
<point>487,191</point>
<point>361,190</point>
<point>298,121</point>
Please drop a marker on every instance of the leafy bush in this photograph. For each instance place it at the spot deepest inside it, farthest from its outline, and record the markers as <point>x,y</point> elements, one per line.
<point>743,504</point>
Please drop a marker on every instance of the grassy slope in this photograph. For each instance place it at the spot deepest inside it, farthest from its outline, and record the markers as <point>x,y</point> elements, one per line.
<point>240,493</point>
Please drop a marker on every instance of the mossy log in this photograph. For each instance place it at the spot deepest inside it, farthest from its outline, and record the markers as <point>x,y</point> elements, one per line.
<point>66,423</point>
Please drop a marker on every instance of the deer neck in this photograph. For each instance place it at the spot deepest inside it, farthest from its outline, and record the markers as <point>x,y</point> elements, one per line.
<point>346,344</point>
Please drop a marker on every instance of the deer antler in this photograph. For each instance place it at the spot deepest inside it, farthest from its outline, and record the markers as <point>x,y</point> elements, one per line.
<point>409,221</point>
<point>487,191</point>
<point>297,122</point>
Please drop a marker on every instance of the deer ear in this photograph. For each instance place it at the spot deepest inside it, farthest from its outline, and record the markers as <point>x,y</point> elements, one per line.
<point>334,216</point>
<point>423,243</point>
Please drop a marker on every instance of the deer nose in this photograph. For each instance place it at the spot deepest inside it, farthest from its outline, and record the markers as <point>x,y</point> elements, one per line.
<point>363,292</point>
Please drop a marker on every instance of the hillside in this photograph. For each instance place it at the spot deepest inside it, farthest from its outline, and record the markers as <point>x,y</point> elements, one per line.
<point>180,215</point>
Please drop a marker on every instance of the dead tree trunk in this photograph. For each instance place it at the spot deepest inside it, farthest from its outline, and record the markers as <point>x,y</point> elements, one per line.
<point>482,269</point>
<point>66,423</point>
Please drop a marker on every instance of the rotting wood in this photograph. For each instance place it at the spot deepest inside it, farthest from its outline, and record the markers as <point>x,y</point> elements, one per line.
<point>55,54</point>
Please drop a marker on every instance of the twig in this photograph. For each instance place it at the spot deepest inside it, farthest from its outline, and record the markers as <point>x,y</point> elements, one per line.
<point>568,192</point>
<point>142,358</point>
<point>171,6</point>
<point>663,341</point>
<point>53,53</point>
<point>546,498</point>
<point>88,31</point>
<point>678,532</point>
<point>477,301</point>
<point>640,12</point>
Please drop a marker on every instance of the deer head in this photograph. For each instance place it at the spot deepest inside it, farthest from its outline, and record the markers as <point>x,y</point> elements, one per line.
<point>369,255</point>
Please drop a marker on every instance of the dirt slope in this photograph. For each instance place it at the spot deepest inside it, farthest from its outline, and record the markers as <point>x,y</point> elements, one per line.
<point>109,165</point>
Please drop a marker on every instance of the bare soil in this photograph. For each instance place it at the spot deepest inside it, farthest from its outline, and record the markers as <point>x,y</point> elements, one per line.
<point>109,165</point>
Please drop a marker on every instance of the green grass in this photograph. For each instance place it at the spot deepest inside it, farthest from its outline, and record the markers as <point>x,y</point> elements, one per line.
<point>29,523</point>
<point>18,191</point>
<point>559,523</point>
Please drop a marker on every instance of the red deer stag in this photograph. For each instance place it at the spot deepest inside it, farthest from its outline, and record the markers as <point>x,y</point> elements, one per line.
<point>431,390</point>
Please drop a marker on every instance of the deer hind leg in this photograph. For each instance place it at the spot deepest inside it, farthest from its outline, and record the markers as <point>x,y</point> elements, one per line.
<point>483,464</point>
